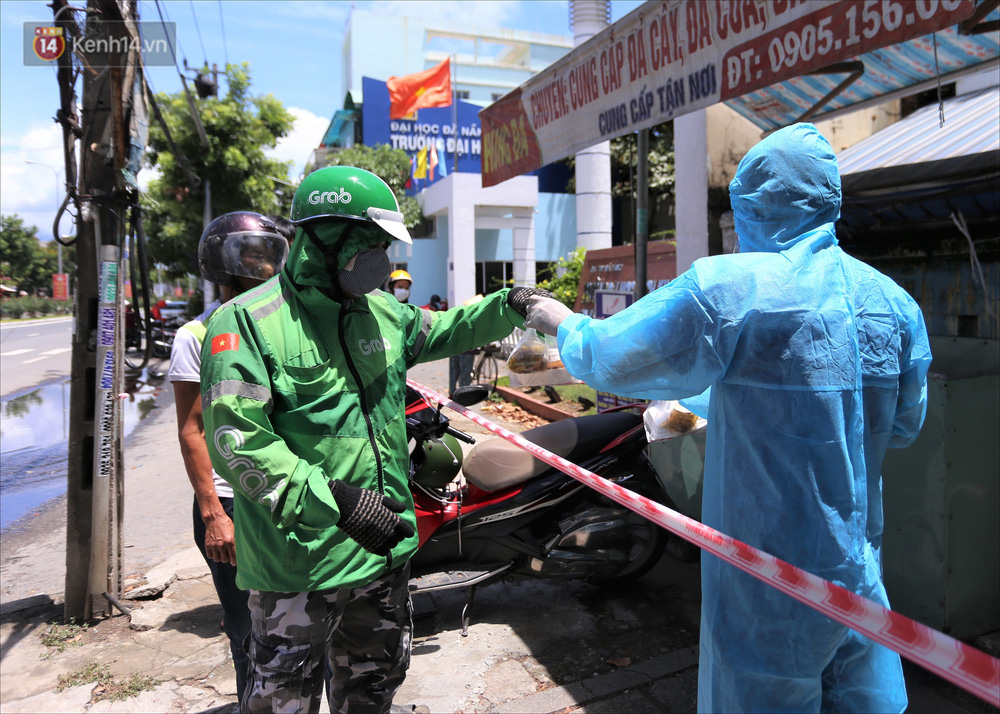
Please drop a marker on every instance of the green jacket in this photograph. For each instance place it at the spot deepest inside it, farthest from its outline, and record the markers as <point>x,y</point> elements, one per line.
<point>297,390</point>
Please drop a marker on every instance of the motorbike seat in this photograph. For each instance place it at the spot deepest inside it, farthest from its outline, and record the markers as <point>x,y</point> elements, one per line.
<point>496,464</point>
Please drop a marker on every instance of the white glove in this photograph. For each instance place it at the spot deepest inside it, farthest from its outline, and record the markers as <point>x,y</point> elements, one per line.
<point>545,314</point>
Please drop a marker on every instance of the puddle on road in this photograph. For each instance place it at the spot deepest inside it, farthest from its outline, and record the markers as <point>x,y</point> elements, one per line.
<point>34,438</point>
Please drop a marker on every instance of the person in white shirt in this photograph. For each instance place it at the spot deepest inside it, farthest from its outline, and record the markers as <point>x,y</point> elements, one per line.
<point>237,252</point>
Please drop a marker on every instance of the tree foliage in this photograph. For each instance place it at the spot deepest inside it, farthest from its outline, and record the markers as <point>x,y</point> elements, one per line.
<point>624,162</point>
<point>390,165</point>
<point>564,283</point>
<point>239,127</point>
<point>26,262</point>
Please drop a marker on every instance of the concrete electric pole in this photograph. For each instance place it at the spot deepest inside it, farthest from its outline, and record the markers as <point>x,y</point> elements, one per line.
<point>94,470</point>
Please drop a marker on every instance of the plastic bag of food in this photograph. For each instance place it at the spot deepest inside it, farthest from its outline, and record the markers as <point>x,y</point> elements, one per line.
<point>668,419</point>
<point>535,362</point>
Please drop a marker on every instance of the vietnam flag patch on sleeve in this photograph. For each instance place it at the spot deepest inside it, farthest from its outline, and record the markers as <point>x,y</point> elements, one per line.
<point>225,341</point>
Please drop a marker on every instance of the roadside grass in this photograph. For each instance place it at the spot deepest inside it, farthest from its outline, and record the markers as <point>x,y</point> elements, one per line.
<point>108,689</point>
<point>58,636</point>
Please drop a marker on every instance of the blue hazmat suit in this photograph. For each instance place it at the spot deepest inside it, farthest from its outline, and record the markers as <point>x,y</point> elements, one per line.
<point>815,364</point>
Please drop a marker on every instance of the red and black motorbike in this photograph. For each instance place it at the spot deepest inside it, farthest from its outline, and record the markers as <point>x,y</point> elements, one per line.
<point>162,335</point>
<point>501,513</point>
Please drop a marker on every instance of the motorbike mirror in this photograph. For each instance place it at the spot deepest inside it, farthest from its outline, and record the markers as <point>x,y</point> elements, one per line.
<point>471,394</point>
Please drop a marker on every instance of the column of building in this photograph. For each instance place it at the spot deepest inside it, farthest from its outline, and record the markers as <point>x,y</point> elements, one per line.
<point>593,165</point>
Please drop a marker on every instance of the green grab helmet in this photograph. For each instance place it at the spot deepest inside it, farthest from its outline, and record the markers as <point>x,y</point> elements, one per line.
<point>441,462</point>
<point>346,193</point>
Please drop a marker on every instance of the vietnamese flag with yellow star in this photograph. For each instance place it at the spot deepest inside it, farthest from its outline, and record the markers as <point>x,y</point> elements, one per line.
<point>225,341</point>
<point>420,90</point>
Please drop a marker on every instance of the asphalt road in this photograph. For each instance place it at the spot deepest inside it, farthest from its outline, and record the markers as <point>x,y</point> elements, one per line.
<point>34,352</point>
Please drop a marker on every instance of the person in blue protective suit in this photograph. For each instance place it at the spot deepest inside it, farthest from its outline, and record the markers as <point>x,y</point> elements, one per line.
<point>816,363</point>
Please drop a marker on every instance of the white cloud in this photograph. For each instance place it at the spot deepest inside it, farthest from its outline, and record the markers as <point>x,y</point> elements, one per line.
<point>29,189</point>
<point>305,136</point>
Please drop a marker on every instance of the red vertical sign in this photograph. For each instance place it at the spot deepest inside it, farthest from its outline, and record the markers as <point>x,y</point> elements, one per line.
<point>60,286</point>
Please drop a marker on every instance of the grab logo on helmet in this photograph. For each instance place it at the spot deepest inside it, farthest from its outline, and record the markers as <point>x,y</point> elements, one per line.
<point>329,197</point>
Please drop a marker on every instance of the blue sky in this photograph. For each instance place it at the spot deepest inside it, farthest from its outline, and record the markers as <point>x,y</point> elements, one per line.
<point>294,53</point>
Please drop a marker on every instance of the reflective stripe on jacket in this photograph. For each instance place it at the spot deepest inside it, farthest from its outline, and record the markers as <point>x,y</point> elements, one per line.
<point>297,390</point>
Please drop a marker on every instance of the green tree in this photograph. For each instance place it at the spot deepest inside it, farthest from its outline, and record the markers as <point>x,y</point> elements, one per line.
<point>390,165</point>
<point>239,127</point>
<point>624,162</point>
<point>566,280</point>
<point>26,262</point>
<point>18,249</point>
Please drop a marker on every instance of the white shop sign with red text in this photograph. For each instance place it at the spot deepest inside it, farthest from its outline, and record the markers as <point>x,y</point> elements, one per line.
<point>666,59</point>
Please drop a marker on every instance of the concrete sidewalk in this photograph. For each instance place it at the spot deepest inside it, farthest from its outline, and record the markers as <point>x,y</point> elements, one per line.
<point>532,646</point>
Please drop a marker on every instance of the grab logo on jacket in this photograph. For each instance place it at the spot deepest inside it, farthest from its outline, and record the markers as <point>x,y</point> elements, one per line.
<point>330,197</point>
<point>374,346</point>
<point>252,480</point>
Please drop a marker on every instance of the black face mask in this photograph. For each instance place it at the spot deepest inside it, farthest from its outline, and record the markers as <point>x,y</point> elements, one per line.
<point>365,272</point>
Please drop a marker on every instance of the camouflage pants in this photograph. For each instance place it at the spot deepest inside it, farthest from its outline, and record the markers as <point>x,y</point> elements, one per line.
<point>356,640</point>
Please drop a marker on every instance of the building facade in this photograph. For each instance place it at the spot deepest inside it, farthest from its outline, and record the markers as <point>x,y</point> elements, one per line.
<point>474,240</point>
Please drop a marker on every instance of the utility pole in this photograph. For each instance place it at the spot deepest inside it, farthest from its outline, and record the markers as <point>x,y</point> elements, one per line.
<point>205,87</point>
<point>641,211</point>
<point>94,469</point>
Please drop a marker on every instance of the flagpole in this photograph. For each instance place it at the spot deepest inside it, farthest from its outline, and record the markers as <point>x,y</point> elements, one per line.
<point>454,105</point>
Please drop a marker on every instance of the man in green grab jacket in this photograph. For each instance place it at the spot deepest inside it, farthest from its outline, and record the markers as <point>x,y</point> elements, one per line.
<point>303,384</point>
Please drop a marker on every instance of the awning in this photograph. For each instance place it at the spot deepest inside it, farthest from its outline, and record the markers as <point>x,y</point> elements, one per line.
<point>340,133</point>
<point>776,62</point>
<point>918,170</point>
<point>897,70</point>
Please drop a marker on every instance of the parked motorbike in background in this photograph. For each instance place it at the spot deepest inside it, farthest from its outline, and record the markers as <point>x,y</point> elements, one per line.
<point>163,334</point>
<point>168,316</point>
<point>436,304</point>
<point>499,512</point>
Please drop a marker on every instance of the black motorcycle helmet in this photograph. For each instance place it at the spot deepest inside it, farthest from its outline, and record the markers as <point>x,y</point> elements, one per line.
<point>241,243</point>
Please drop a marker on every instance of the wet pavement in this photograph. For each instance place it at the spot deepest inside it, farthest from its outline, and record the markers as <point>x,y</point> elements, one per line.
<point>34,434</point>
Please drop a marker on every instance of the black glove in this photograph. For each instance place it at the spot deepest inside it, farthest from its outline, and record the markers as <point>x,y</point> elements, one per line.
<point>519,298</point>
<point>370,518</point>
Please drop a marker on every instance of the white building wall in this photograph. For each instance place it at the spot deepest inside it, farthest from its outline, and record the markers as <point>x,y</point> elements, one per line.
<point>461,249</point>
<point>691,163</point>
<point>447,263</point>
<point>460,197</point>
<point>524,246</point>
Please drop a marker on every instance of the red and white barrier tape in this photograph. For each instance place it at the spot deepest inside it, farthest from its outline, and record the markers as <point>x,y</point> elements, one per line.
<point>962,665</point>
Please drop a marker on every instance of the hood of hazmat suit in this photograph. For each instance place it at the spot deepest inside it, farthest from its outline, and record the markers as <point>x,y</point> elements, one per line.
<point>815,364</point>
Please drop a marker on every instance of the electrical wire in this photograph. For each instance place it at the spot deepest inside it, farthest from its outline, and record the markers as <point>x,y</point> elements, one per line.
<point>937,73</point>
<point>139,273</point>
<point>176,37</point>
<point>182,159</point>
<point>976,267</point>
<point>225,46</point>
<point>201,42</point>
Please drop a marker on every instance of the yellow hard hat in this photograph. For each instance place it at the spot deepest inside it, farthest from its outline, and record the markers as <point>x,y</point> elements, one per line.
<point>398,275</point>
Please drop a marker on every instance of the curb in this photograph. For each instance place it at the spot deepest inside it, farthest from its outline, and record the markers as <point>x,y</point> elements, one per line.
<point>35,321</point>
<point>536,407</point>
<point>26,606</point>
